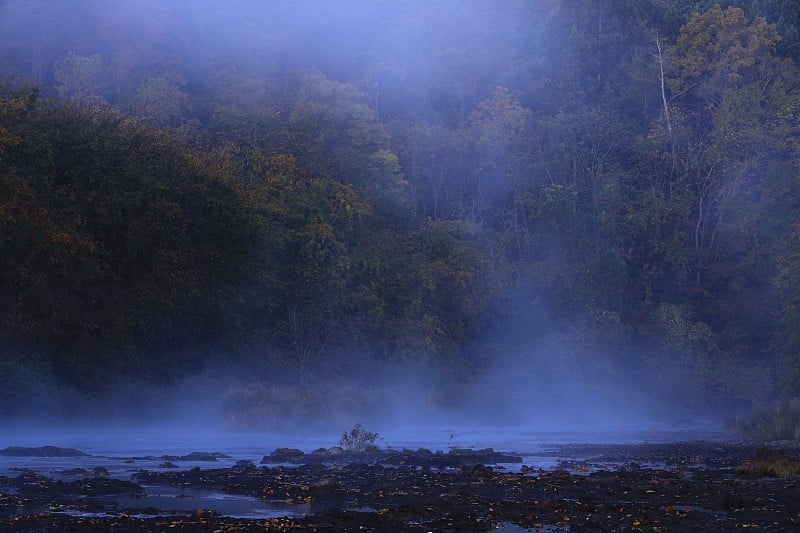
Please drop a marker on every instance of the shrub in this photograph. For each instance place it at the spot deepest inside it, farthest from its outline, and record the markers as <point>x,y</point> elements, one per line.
<point>772,463</point>
<point>358,440</point>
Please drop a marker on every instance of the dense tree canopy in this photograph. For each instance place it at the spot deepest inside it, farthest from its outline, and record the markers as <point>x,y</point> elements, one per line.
<point>400,184</point>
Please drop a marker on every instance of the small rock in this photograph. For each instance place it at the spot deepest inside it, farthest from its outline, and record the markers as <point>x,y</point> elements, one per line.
<point>99,471</point>
<point>284,455</point>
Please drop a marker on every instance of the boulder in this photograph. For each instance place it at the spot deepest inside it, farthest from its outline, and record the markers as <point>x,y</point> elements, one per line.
<point>284,455</point>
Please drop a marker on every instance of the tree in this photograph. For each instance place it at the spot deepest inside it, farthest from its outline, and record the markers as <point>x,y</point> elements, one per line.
<point>720,50</point>
<point>724,73</point>
<point>117,244</point>
<point>428,155</point>
<point>335,128</point>
<point>78,77</point>
<point>732,104</point>
<point>496,158</point>
<point>787,337</point>
<point>162,99</point>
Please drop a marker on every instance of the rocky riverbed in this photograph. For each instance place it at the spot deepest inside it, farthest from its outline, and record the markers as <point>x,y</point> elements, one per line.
<point>682,486</point>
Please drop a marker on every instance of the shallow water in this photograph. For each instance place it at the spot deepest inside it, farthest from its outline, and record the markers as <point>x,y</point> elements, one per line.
<point>170,499</point>
<point>123,451</point>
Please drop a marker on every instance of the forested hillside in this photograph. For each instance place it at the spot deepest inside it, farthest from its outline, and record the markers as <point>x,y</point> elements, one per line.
<point>530,192</point>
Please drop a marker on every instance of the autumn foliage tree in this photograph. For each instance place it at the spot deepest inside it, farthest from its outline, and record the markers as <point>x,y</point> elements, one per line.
<point>618,186</point>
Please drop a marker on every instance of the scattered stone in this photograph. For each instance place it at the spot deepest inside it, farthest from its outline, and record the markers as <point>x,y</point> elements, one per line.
<point>204,456</point>
<point>627,493</point>
<point>484,456</point>
<point>32,484</point>
<point>422,458</point>
<point>98,486</point>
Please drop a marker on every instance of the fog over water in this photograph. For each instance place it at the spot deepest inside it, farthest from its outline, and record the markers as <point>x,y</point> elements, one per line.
<point>416,236</point>
<point>123,450</point>
<point>108,447</point>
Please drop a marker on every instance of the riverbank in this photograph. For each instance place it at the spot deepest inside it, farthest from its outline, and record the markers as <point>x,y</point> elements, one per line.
<point>636,487</point>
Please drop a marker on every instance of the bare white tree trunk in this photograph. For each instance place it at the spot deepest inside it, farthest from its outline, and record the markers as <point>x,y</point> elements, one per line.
<point>667,118</point>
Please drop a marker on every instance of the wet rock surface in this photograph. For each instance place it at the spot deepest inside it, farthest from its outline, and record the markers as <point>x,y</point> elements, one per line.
<point>708,454</point>
<point>193,457</point>
<point>421,457</point>
<point>695,486</point>
<point>42,451</point>
<point>32,484</point>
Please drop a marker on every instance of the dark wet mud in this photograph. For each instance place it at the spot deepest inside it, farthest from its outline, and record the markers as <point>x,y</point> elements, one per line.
<point>690,486</point>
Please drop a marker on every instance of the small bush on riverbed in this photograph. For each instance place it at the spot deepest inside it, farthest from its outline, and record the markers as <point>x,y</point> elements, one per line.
<point>358,440</point>
<point>772,463</point>
<point>774,423</point>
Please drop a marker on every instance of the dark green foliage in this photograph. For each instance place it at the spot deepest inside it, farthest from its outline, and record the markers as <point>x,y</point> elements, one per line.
<point>617,182</point>
<point>28,387</point>
<point>112,234</point>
